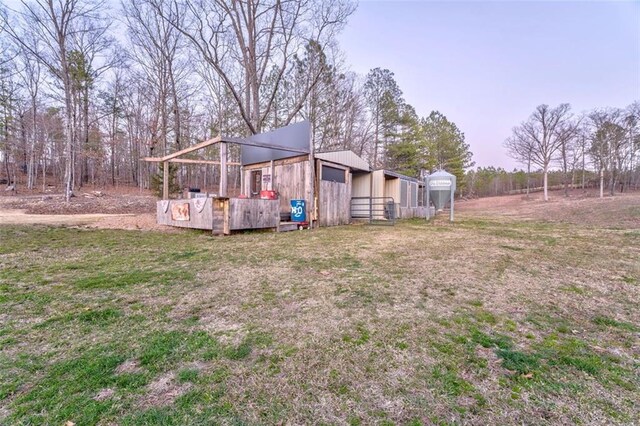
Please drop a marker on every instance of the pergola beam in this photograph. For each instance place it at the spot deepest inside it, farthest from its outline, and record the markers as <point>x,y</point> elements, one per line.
<point>173,158</point>
<point>192,148</point>
<point>218,139</point>
<point>268,145</point>
<point>223,170</point>
<point>189,161</point>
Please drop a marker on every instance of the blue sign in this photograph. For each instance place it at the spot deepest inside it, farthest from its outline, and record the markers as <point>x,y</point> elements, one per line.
<point>298,211</point>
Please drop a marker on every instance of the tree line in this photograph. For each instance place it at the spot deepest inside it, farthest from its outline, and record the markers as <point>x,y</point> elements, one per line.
<point>605,140</point>
<point>86,92</point>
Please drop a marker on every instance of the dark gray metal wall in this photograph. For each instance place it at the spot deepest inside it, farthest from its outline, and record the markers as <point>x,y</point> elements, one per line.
<point>292,136</point>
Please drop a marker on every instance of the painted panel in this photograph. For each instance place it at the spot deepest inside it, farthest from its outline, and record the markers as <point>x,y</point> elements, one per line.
<point>196,213</point>
<point>180,211</point>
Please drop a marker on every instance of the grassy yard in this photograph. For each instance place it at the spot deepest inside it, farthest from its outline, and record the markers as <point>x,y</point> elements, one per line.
<point>488,320</point>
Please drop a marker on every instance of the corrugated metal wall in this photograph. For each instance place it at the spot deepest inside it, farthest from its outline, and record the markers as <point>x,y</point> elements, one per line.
<point>361,185</point>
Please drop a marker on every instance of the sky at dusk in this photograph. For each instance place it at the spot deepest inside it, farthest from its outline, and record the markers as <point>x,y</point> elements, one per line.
<point>486,65</point>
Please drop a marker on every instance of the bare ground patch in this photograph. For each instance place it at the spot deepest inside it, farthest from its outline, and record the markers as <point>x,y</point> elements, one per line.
<point>163,391</point>
<point>106,393</point>
<point>129,366</point>
<point>582,208</point>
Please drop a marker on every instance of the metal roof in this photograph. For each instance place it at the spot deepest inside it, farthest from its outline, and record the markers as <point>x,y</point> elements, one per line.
<point>441,173</point>
<point>401,176</point>
<point>346,158</point>
<point>284,142</point>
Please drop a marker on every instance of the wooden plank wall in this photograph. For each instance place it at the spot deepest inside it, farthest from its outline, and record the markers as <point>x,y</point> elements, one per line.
<point>222,215</point>
<point>253,213</point>
<point>289,179</point>
<point>197,219</point>
<point>334,199</point>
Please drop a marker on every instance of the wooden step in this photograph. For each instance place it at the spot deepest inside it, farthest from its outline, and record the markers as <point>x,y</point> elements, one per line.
<point>288,226</point>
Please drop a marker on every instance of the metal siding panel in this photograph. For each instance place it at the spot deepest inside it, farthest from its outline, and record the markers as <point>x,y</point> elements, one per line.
<point>392,189</point>
<point>414,195</point>
<point>346,158</point>
<point>361,185</point>
<point>403,193</point>
<point>293,136</point>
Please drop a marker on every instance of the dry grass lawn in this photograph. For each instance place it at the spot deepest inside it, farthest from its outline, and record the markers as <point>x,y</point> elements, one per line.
<point>521,312</point>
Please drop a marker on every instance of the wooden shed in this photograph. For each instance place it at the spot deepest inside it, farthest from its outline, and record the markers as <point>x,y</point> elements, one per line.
<point>396,194</point>
<point>276,168</point>
<point>327,183</point>
<point>218,212</point>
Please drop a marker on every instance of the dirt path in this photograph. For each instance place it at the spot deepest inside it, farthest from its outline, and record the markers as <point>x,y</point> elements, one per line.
<point>143,222</point>
<point>99,209</point>
<point>20,217</point>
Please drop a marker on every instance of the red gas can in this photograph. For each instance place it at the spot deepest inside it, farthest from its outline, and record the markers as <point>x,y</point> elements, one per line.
<point>268,195</point>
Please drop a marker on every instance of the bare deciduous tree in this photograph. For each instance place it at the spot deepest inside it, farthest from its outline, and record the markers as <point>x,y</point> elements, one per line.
<point>608,148</point>
<point>520,148</point>
<point>541,137</point>
<point>55,24</point>
<point>245,41</point>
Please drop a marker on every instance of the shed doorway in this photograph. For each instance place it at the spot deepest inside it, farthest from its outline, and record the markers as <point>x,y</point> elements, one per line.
<point>256,183</point>
<point>334,195</point>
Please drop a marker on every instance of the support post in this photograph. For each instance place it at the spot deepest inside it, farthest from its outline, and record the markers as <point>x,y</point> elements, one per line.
<point>311,189</point>
<point>225,227</point>
<point>451,209</point>
<point>165,180</point>
<point>428,203</point>
<point>222,192</point>
<point>271,187</point>
<point>453,195</point>
<point>371,197</point>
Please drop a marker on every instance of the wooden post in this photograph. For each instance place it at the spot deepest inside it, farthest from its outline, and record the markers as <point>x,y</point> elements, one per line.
<point>311,183</point>
<point>165,180</point>
<point>271,187</point>
<point>223,170</point>
<point>225,227</point>
<point>428,201</point>
<point>451,208</point>
<point>371,197</point>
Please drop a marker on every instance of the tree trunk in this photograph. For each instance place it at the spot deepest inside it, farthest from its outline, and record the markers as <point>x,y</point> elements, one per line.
<point>34,135</point>
<point>85,125</point>
<point>583,165</point>
<point>545,183</point>
<point>528,176</point>
<point>68,163</point>
<point>612,182</point>
<point>114,123</point>
<point>565,176</point>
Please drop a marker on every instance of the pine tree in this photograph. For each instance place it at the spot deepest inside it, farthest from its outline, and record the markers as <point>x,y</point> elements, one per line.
<point>445,147</point>
<point>157,180</point>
